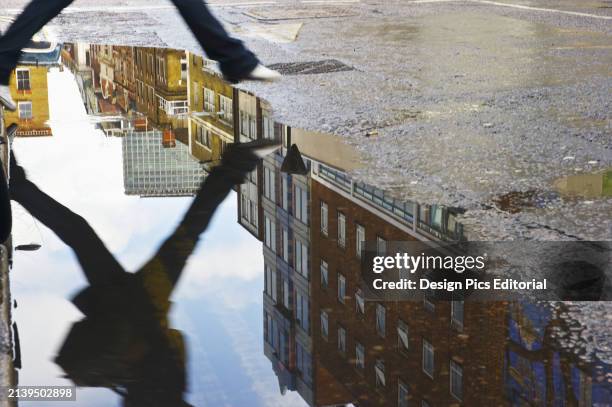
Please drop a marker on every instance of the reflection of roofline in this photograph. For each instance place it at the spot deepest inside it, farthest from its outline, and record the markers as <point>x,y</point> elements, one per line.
<point>44,58</point>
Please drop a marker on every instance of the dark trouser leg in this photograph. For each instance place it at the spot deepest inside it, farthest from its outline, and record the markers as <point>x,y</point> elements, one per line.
<point>6,219</point>
<point>235,60</point>
<point>30,21</point>
<point>99,265</point>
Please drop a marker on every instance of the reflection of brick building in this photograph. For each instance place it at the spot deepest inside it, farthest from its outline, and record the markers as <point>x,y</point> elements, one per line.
<point>364,343</point>
<point>125,80</point>
<point>161,86</point>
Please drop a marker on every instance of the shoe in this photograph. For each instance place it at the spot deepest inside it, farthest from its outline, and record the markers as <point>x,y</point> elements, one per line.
<point>6,99</point>
<point>259,73</point>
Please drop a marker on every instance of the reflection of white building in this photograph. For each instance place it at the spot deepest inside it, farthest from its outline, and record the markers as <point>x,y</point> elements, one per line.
<point>150,169</point>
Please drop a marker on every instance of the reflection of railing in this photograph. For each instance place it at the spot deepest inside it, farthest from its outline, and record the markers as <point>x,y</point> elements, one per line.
<point>445,228</point>
<point>338,177</point>
<point>174,107</point>
<point>377,196</point>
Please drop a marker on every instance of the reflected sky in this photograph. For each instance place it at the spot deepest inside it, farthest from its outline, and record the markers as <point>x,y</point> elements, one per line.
<point>218,302</point>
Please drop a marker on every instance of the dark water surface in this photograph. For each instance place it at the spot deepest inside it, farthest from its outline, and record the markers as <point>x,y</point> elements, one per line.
<point>268,310</point>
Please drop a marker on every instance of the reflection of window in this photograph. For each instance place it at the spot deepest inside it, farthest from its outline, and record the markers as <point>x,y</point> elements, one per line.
<point>285,193</point>
<point>381,246</point>
<point>269,329</point>
<point>359,356</point>
<point>25,110</point>
<point>436,217</point>
<point>402,394</point>
<point>301,258</point>
<point>209,100</point>
<point>301,204</point>
<point>359,239</point>
<point>268,127</point>
<point>285,244</point>
<point>302,311</point>
<point>324,325</point>
<point>342,340</point>
<point>324,218</point>
<point>23,79</point>
<point>226,106</point>
<point>269,184</point>
<point>324,274</point>
<point>428,358</point>
<point>402,335</point>
<point>270,283</point>
<point>270,234</point>
<point>359,301</point>
<point>341,288</point>
<point>456,380</point>
<point>203,136</point>
<point>284,347</point>
<point>380,320</point>
<point>286,294</point>
<point>379,369</point>
<point>457,314</point>
<point>248,125</point>
<point>341,230</point>
<point>303,363</point>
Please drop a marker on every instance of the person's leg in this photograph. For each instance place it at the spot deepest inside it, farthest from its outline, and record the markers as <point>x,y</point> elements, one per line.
<point>6,218</point>
<point>30,21</point>
<point>235,60</point>
<point>99,265</point>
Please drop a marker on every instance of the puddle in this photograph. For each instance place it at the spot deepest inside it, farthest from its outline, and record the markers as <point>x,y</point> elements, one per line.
<point>586,185</point>
<point>266,311</point>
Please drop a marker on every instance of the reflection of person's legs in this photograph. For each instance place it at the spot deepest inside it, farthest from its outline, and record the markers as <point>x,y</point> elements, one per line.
<point>99,265</point>
<point>235,60</point>
<point>30,21</point>
<point>5,206</point>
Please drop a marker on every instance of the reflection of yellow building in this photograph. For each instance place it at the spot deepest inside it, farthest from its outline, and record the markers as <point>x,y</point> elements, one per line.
<point>161,86</point>
<point>212,112</point>
<point>586,185</point>
<point>30,90</point>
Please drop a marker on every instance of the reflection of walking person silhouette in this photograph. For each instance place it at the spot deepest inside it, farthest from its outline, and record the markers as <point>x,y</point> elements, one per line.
<point>124,342</point>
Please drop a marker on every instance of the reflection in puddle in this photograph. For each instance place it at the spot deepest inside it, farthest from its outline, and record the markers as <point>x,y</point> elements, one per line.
<point>171,119</point>
<point>586,185</point>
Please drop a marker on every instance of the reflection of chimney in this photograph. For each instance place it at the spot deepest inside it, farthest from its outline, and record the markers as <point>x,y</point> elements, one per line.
<point>140,124</point>
<point>168,139</point>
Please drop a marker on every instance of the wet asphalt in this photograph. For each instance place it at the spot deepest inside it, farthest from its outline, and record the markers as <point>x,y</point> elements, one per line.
<point>471,101</point>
